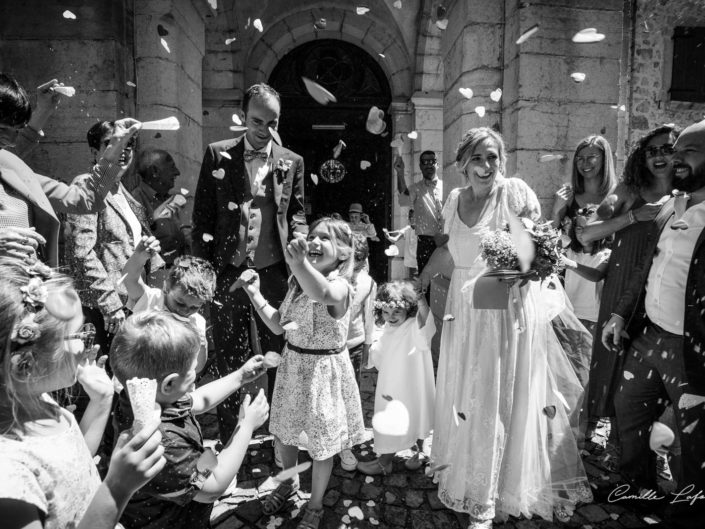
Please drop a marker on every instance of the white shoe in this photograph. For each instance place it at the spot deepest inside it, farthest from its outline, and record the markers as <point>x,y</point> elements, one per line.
<point>348,461</point>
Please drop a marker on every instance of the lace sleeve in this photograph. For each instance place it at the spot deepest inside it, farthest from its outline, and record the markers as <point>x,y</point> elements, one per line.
<point>522,200</point>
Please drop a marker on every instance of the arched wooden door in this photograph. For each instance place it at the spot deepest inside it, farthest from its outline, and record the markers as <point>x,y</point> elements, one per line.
<point>314,130</point>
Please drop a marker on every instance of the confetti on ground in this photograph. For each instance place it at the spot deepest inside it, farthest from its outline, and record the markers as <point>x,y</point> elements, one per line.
<point>356,512</point>
<point>527,34</point>
<point>207,237</point>
<point>257,24</point>
<point>230,40</point>
<point>496,95</point>
<point>293,471</point>
<point>360,10</point>
<point>68,91</point>
<point>364,164</point>
<point>448,317</point>
<point>374,521</point>
<point>225,154</point>
<point>165,45</point>
<point>369,479</point>
<point>614,515</point>
<point>370,503</point>
<point>69,15</point>
<point>413,135</point>
<point>587,36</point>
<point>578,77</point>
<point>466,92</point>
<point>347,503</point>
<point>480,111</point>
<point>219,173</point>
<point>317,92</point>
<point>345,519</point>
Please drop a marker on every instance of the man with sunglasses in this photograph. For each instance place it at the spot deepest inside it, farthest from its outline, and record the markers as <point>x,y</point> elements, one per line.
<point>99,244</point>
<point>666,360</point>
<point>425,197</point>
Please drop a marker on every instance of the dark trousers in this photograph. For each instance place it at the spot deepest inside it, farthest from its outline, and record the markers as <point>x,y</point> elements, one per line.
<point>425,246</point>
<point>654,376</point>
<point>231,315</point>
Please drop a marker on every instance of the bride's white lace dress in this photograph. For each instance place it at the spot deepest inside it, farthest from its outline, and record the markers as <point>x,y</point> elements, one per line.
<point>498,387</point>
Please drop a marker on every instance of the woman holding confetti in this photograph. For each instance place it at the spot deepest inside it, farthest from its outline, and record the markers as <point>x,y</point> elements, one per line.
<point>502,441</point>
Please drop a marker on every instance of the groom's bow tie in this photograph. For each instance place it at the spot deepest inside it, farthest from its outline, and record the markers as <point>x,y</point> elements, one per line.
<point>252,154</point>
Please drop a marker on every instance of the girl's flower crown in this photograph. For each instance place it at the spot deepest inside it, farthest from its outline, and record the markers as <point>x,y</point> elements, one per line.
<point>393,305</point>
<point>26,330</point>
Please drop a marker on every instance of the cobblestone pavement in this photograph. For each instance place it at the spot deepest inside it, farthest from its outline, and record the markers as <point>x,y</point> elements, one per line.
<point>403,499</point>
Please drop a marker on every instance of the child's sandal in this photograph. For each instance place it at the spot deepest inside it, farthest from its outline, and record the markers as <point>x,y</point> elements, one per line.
<point>276,500</point>
<point>311,519</point>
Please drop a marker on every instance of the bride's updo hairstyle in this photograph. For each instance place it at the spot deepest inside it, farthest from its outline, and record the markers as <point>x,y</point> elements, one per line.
<point>471,139</point>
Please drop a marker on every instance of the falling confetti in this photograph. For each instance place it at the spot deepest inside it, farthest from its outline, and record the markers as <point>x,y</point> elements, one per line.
<point>527,34</point>
<point>162,31</point>
<point>375,121</point>
<point>207,237</point>
<point>320,24</point>
<point>496,95</point>
<point>165,45</point>
<point>338,149</point>
<point>413,135</point>
<point>430,470</point>
<point>184,191</point>
<point>619,107</point>
<point>691,426</point>
<point>225,154</point>
<point>238,128</point>
<point>550,411</point>
<point>614,515</point>
<point>179,201</point>
<point>578,77</point>
<point>466,92</point>
<point>387,397</point>
<point>587,36</point>
<point>397,4</point>
<point>257,24</point>
<point>550,157</point>
<point>69,15</point>
<point>219,173</point>
<point>130,83</point>
<point>317,92</point>
<point>356,512</point>
<point>232,206</point>
<point>448,317</point>
<point>291,326</point>
<point>170,123</point>
<point>397,143</point>
<point>121,280</point>
<point>392,251</point>
<point>442,23</point>
<point>68,91</point>
<point>628,375</point>
<point>393,420</point>
<point>230,40</point>
<point>455,416</point>
<point>364,164</point>
<point>272,359</point>
<point>382,55</point>
<point>480,111</point>
<point>360,10</point>
<point>293,471</point>
<point>213,3</point>
<point>314,178</point>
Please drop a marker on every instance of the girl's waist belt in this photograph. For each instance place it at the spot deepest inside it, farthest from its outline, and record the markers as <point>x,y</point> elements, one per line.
<point>305,351</point>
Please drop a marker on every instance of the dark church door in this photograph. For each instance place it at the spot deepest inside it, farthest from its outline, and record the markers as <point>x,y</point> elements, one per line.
<point>313,131</point>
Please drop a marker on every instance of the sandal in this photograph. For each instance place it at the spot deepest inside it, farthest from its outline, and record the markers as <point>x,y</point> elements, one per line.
<point>414,462</point>
<point>276,500</point>
<point>311,519</point>
<point>374,468</point>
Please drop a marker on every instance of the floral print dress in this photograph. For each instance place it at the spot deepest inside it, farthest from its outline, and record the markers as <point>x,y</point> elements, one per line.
<point>316,402</point>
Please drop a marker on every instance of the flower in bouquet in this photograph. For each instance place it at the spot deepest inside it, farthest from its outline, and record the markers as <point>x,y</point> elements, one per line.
<point>498,250</point>
<point>548,248</point>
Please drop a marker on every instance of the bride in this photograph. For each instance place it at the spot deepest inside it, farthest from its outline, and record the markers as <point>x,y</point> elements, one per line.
<point>506,393</point>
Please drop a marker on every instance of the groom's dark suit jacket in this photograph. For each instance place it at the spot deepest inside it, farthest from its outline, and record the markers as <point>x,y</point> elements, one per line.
<point>631,303</point>
<point>221,208</point>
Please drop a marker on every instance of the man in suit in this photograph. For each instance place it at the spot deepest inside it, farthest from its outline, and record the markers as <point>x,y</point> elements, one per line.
<point>249,202</point>
<point>663,307</point>
<point>99,244</point>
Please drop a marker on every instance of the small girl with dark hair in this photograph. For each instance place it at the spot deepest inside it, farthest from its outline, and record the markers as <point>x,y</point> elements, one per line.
<point>405,394</point>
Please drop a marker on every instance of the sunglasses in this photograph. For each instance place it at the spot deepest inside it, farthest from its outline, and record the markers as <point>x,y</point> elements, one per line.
<point>654,150</point>
<point>86,334</point>
<point>428,162</point>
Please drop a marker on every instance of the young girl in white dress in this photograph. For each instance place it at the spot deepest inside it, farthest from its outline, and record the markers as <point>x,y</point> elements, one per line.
<point>316,402</point>
<point>405,393</point>
<point>49,479</point>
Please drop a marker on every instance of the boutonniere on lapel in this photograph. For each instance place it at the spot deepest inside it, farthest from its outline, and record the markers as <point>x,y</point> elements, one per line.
<point>281,169</point>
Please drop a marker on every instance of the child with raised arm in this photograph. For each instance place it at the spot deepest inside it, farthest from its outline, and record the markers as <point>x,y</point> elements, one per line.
<point>49,479</point>
<point>161,346</point>
<point>316,401</point>
<point>189,284</point>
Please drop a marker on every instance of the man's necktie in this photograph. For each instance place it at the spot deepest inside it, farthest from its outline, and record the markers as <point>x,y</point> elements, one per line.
<point>251,155</point>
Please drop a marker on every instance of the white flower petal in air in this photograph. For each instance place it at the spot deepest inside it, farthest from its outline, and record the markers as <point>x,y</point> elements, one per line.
<point>165,45</point>
<point>69,15</point>
<point>237,128</point>
<point>170,123</point>
<point>225,154</point>
<point>392,251</point>
<point>68,91</point>
<point>550,157</point>
<point>230,40</point>
<point>317,92</point>
<point>628,375</point>
<point>578,77</point>
<point>207,237</point>
<point>291,326</point>
<point>219,174</point>
<point>496,95</point>
<point>364,164</point>
<point>232,206</point>
<point>257,24</point>
<point>397,143</point>
<point>527,34</point>
<point>442,23</point>
<point>314,178</point>
<point>361,10</point>
<point>397,4</point>
<point>130,83</point>
<point>293,471</point>
<point>480,111</point>
<point>393,420</point>
<point>236,119</point>
<point>413,135</point>
<point>213,3</point>
<point>466,92</point>
<point>184,191</point>
<point>448,317</point>
<point>587,36</point>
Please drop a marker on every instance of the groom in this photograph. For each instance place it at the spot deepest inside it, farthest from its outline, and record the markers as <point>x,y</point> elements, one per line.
<point>249,201</point>
<point>663,306</point>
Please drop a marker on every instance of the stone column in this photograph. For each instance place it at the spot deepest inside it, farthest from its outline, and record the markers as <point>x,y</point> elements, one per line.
<point>169,81</point>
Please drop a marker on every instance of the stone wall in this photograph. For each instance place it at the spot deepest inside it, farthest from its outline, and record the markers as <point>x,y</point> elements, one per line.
<point>649,103</point>
<point>92,53</point>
